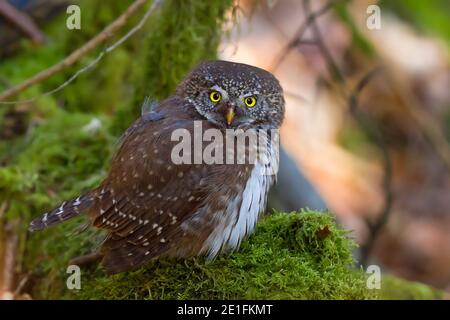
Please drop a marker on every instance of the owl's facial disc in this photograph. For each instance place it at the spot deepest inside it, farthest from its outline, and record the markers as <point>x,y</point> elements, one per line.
<point>233,95</point>
<point>225,108</point>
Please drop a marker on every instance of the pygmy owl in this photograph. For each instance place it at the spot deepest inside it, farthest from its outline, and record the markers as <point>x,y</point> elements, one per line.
<point>154,207</point>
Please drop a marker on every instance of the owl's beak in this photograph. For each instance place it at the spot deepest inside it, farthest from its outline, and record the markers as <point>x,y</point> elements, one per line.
<point>229,116</point>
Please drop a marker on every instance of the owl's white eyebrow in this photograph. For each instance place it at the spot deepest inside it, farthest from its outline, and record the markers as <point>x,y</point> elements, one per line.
<point>248,94</point>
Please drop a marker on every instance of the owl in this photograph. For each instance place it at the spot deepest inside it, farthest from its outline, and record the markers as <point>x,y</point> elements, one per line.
<point>152,206</point>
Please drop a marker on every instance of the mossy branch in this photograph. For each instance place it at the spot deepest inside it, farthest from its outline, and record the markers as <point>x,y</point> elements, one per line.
<point>303,255</point>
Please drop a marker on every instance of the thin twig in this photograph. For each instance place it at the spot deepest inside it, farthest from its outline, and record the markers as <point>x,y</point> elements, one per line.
<point>424,120</point>
<point>9,256</point>
<point>3,207</point>
<point>351,98</point>
<point>22,21</point>
<point>77,54</point>
<point>22,284</point>
<point>374,131</point>
<point>300,32</point>
<point>369,124</point>
<point>318,40</point>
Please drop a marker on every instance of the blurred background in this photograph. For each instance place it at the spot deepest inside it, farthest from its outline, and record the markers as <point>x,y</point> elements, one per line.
<point>366,134</point>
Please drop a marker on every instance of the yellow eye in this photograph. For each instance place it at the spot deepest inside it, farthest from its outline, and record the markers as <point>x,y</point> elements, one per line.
<point>250,101</point>
<point>215,96</point>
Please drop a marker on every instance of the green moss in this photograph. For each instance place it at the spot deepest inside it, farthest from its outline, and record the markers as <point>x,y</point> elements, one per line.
<point>186,32</point>
<point>393,288</point>
<point>151,63</point>
<point>57,158</point>
<point>301,255</point>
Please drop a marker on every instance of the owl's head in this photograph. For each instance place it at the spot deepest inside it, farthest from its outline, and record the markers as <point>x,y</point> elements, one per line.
<point>234,95</point>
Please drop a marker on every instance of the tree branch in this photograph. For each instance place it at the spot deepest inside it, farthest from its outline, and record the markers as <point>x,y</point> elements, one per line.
<point>350,98</point>
<point>318,40</point>
<point>374,131</point>
<point>80,52</point>
<point>22,21</point>
<point>296,40</point>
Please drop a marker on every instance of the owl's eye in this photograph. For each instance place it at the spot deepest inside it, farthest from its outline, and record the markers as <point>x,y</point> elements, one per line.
<point>215,96</point>
<point>250,101</point>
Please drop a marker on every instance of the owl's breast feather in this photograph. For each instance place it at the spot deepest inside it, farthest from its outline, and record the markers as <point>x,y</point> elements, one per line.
<point>241,214</point>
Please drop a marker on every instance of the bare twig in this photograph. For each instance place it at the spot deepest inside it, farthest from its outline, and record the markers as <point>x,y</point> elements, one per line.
<point>9,258</point>
<point>22,284</point>
<point>350,98</point>
<point>369,124</point>
<point>77,54</point>
<point>318,40</point>
<point>374,132</point>
<point>21,21</point>
<point>433,133</point>
<point>424,120</point>
<point>297,39</point>
<point>3,207</point>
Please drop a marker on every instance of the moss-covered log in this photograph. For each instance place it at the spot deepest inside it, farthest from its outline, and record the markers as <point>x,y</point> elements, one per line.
<point>302,255</point>
<point>291,256</point>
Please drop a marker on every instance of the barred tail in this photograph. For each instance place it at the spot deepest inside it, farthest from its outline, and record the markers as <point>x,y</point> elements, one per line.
<point>66,211</point>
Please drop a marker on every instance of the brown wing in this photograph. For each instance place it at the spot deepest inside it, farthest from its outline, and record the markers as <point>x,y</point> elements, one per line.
<point>146,197</point>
